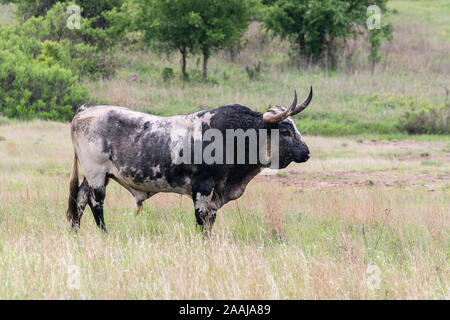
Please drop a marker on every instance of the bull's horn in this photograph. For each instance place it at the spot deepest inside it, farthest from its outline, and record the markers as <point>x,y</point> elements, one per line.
<point>274,115</point>
<point>304,104</point>
<point>293,104</point>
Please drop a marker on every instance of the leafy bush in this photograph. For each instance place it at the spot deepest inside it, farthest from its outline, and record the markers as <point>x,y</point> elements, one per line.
<point>426,121</point>
<point>30,88</point>
<point>167,74</point>
<point>81,58</point>
<point>95,10</point>
<point>81,50</point>
<point>42,62</point>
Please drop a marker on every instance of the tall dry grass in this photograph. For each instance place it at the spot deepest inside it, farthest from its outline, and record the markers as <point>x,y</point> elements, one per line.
<point>286,238</point>
<point>311,232</point>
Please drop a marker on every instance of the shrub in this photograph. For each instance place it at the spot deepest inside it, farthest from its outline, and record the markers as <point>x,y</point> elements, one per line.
<point>42,61</point>
<point>254,71</point>
<point>85,51</point>
<point>95,10</point>
<point>30,88</point>
<point>426,121</point>
<point>167,74</point>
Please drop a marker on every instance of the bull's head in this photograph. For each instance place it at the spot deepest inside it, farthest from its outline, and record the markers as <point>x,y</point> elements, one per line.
<point>291,145</point>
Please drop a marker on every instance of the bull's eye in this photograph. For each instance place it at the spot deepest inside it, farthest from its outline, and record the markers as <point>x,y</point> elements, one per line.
<point>285,132</point>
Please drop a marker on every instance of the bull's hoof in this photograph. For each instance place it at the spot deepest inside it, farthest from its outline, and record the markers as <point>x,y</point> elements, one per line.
<point>75,227</point>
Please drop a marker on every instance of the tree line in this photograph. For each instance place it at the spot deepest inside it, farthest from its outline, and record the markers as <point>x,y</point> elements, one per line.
<point>314,27</point>
<point>40,56</point>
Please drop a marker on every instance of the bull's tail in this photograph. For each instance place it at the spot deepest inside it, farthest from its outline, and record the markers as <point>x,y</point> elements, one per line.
<point>72,211</point>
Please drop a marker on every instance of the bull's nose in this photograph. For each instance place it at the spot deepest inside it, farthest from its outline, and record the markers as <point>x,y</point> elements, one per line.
<point>305,157</point>
<point>302,158</point>
<point>306,154</point>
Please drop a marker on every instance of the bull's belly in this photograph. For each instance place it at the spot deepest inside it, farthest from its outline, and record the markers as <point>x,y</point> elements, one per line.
<point>160,185</point>
<point>152,185</point>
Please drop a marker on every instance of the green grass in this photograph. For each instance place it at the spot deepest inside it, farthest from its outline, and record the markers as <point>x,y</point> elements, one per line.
<point>344,104</point>
<point>352,102</point>
<point>373,196</point>
<point>433,13</point>
<point>310,231</point>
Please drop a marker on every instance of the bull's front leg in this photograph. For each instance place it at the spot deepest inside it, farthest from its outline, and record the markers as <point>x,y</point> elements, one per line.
<point>205,219</point>
<point>205,207</point>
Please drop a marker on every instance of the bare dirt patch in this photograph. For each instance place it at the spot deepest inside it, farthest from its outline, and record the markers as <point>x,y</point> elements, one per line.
<point>415,164</point>
<point>351,179</point>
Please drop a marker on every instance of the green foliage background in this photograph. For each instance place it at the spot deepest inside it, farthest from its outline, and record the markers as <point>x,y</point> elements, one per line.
<point>43,62</point>
<point>48,70</point>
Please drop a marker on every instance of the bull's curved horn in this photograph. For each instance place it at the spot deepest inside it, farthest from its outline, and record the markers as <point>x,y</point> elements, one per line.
<point>304,104</point>
<point>275,115</point>
<point>294,103</point>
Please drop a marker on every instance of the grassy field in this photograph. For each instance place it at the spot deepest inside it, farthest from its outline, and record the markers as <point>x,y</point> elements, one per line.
<point>351,100</point>
<point>370,198</point>
<point>309,231</point>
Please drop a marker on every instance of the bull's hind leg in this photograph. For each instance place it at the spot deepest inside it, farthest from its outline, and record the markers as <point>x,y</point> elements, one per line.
<point>82,200</point>
<point>96,199</point>
<point>97,187</point>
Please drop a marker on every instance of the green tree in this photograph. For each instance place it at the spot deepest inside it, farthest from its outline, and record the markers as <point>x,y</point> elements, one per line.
<point>48,39</point>
<point>104,21</point>
<point>192,26</point>
<point>86,51</point>
<point>376,38</point>
<point>171,23</point>
<point>91,9</point>
<point>313,25</point>
<point>220,24</point>
<point>37,88</point>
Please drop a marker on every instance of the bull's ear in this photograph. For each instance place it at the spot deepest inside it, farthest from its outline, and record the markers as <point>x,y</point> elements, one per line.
<point>278,116</point>
<point>275,109</point>
<point>275,114</point>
